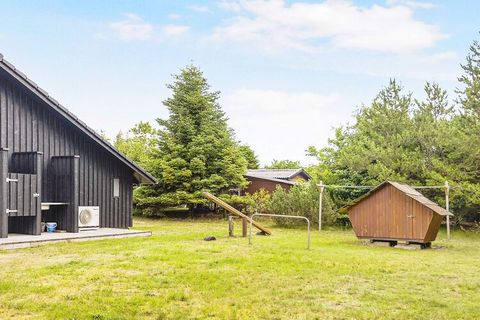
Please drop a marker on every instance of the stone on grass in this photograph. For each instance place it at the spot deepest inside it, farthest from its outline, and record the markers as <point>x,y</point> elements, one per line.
<point>210,238</point>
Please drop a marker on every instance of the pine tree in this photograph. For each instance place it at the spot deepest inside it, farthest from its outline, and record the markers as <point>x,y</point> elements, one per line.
<point>249,155</point>
<point>197,149</point>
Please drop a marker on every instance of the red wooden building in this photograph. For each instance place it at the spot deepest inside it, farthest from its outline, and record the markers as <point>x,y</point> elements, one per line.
<point>269,179</point>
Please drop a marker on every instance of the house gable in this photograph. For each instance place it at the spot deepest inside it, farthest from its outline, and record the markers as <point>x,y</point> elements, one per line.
<point>9,71</point>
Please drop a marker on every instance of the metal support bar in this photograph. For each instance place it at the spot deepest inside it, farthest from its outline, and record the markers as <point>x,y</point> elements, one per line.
<point>322,188</point>
<point>278,216</point>
<point>447,207</point>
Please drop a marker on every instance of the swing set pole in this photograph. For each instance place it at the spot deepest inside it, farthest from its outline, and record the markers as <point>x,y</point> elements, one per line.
<point>322,187</point>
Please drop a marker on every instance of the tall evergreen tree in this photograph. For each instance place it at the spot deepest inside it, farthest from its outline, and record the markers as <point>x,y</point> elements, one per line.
<point>469,95</point>
<point>249,155</point>
<point>378,146</point>
<point>197,150</point>
<point>432,118</point>
<point>393,138</point>
<point>465,155</point>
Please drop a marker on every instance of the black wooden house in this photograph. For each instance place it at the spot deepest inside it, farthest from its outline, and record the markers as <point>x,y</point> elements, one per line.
<point>49,159</point>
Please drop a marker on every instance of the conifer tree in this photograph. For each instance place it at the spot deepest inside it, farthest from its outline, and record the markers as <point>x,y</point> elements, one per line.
<point>197,150</point>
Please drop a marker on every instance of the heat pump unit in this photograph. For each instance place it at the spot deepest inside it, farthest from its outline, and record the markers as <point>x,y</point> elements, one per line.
<point>88,218</point>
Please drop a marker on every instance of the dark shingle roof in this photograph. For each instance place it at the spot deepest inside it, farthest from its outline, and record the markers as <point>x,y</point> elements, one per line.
<point>141,175</point>
<point>284,174</point>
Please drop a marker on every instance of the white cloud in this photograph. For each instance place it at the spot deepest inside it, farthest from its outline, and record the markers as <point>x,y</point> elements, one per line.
<point>281,125</point>
<point>412,4</point>
<point>229,5</point>
<point>444,56</point>
<point>274,24</point>
<point>131,28</point>
<point>174,30</point>
<point>174,16</point>
<point>134,28</point>
<point>199,8</point>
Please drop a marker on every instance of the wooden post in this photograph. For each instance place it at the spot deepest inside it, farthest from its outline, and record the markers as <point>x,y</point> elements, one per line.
<point>37,230</point>
<point>322,187</point>
<point>447,206</point>
<point>3,193</point>
<point>244,227</point>
<point>230,226</point>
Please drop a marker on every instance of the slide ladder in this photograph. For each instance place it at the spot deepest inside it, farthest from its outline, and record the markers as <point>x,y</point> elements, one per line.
<point>234,211</point>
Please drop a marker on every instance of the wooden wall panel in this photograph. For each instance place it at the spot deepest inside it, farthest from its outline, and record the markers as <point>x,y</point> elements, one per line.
<point>255,184</point>
<point>28,124</point>
<point>3,192</point>
<point>21,194</point>
<point>28,218</point>
<point>390,214</point>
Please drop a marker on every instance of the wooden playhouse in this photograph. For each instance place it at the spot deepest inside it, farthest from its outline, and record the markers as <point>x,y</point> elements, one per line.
<point>396,212</point>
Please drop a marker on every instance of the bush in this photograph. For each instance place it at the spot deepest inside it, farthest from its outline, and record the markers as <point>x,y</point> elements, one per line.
<point>301,200</point>
<point>258,202</point>
<point>238,202</point>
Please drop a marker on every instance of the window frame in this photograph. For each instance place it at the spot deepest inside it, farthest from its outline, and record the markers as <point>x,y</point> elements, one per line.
<point>116,187</point>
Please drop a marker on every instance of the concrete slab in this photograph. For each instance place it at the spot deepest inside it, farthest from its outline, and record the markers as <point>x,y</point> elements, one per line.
<point>18,241</point>
<point>411,246</point>
<point>383,244</point>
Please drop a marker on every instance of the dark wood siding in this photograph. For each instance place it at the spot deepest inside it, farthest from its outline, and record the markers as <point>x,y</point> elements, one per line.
<point>21,192</point>
<point>28,124</point>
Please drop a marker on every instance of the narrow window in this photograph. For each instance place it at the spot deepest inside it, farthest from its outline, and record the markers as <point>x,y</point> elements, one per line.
<point>116,187</point>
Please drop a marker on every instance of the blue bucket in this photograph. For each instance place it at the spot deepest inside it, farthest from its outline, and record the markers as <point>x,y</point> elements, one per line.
<point>51,226</point>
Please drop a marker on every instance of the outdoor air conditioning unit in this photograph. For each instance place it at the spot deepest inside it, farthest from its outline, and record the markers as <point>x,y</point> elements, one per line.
<point>88,218</point>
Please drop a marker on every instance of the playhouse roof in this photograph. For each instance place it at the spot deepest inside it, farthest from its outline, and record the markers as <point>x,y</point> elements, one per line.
<point>140,174</point>
<point>407,190</point>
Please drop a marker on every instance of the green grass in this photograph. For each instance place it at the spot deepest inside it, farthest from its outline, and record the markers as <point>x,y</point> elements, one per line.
<point>176,275</point>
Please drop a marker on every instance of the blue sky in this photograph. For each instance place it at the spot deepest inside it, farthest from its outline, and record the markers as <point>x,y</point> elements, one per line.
<point>289,71</point>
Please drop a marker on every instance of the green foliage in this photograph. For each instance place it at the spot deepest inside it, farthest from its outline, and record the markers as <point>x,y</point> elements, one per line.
<point>195,149</point>
<point>395,137</point>
<point>174,274</point>
<point>376,148</point>
<point>140,144</point>
<point>284,164</point>
<point>301,200</point>
<point>238,202</point>
<point>420,142</point>
<point>250,156</point>
<point>259,201</point>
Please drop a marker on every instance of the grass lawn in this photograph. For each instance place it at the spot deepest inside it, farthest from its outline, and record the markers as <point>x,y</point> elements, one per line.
<point>176,275</point>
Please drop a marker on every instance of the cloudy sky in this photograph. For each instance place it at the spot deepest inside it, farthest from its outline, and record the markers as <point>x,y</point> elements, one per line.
<point>289,71</point>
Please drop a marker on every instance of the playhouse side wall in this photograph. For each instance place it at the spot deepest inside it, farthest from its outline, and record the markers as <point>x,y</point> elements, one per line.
<point>389,214</point>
